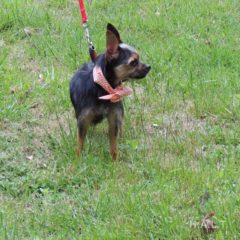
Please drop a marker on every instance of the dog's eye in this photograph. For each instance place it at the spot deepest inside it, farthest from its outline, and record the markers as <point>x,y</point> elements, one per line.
<point>134,63</point>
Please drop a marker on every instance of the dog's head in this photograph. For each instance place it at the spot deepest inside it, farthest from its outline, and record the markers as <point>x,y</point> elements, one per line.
<point>123,59</point>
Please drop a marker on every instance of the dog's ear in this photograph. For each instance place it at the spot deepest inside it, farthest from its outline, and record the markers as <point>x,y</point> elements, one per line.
<point>113,41</point>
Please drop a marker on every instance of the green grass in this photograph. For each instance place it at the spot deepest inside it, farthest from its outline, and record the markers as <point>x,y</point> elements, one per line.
<point>180,152</point>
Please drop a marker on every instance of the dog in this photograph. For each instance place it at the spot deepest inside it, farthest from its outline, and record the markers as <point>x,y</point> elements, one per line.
<point>119,63</point>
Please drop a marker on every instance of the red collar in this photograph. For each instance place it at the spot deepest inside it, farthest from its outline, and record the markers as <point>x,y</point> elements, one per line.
<point>115,95</point>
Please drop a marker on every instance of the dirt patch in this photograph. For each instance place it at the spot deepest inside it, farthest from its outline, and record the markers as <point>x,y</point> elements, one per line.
<point>48,123</point>
<point>181,122</point>
<point>29,138</point>
<point>18,56</point>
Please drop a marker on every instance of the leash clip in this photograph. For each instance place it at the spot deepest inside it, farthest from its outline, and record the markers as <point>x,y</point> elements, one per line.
<point>92,51</point>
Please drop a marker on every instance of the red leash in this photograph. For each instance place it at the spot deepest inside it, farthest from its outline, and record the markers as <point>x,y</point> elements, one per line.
<point>83,12</point>
<point>92,51</point>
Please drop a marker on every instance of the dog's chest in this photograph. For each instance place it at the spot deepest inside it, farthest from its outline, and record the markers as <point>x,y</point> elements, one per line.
<point>102,110</point>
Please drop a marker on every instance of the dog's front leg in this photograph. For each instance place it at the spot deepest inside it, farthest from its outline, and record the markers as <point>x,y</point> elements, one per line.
<point>115,118</point>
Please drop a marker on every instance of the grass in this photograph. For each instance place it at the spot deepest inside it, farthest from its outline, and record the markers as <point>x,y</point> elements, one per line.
<point>179,156</point>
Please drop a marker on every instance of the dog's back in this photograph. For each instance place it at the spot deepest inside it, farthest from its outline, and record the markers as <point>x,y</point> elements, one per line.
<point>80,85</point>
<point>84,92</point>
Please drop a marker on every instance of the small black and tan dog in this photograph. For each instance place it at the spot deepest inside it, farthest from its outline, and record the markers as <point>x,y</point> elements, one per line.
<point>119,63</point>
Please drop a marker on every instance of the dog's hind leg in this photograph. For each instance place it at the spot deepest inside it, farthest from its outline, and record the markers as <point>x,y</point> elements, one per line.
<point>115,118</point>
<point>83,123</point>
<point>81,134</point>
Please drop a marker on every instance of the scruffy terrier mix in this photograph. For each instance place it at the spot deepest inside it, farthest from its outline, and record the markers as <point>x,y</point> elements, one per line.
<point>119,63</point>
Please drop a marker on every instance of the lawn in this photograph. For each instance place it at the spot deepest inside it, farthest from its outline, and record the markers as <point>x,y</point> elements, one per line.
<point>180,150</point>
